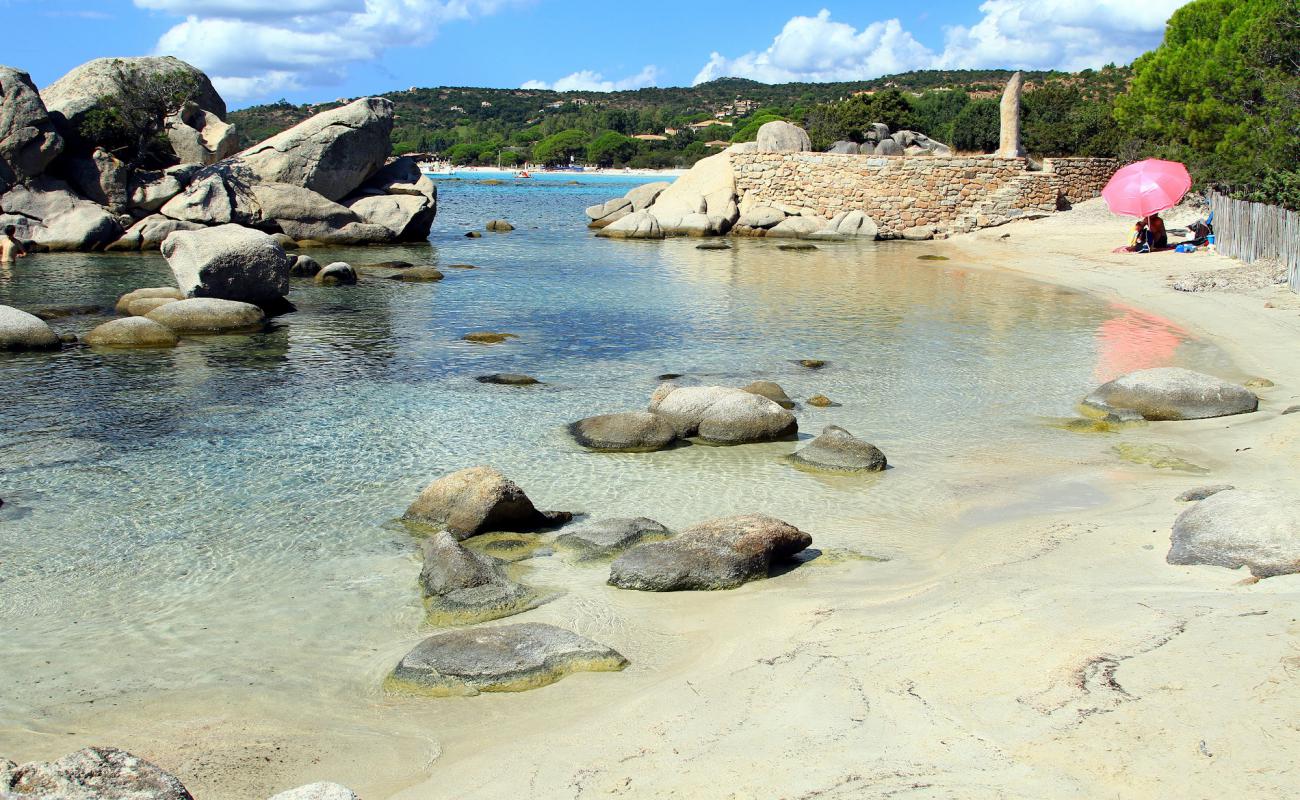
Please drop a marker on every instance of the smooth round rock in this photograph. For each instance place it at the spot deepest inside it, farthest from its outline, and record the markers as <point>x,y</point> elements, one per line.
<point>169,292</point>
<point>500,226</point>
<point>208,315</point>
<point>811,363</point>
<point>304,266</point>
<point>820,401</point>
<point>132,332</point>
<point>1240,528</point>
<point>500,658</point>
<point>627,432</point>
<point>22,331</point>
<point>771,390</point>
<point>837,450</point>
<point>339,273</point>
<point>1173,393</point>
<point>143,305</point>
<point>418,275</point>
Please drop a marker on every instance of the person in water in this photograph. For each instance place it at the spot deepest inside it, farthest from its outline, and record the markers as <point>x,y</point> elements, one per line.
<point>10,248</point>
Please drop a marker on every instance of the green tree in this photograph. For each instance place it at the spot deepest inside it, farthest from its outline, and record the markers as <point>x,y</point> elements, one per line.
<point>978,127</point>
<point>937,110</point>
<point>130,123</point>
<point>561,148</point>
<point>749,131</point>
<point>1222,94</point>
<point>610,148</point>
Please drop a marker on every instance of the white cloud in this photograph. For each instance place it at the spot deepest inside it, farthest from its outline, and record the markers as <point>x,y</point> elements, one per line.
<point>1023,34</point>
<point>255,48</point>
<point>589,81</point>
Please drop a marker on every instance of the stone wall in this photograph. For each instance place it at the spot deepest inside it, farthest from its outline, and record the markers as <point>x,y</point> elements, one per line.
<point>901,192</point>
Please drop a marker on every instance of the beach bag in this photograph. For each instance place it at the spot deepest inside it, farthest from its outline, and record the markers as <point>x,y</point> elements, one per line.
<point>1185,248</point>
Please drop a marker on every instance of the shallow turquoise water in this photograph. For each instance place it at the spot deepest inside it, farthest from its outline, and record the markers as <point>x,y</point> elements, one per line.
<point>221,516</point>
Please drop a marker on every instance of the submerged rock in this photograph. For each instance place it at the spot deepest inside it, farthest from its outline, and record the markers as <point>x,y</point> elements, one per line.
<point>318,791</point>
<point>208,315</point>
<point>820,401</point>
<point>22,331</point>
<point>94,773</point>
<point>501,658</point>
<point>488,337</point>
<point>603,538</point>
<point>133,332</point>
<point>771,390</point>
<point>463,587</point>
<point>719,554</point>
<point>1172,393</point>
<point>837,450</point>
<point>500,226</point>
<point>811,363</point>
<point>627,432</point>
<point>419,275</point>
<point>1236,528</point>
<point>508,379</point>
<point>477,500</point>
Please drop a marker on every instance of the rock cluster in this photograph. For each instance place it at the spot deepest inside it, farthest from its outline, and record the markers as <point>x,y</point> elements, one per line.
<point>877,140</point>
<point>328,179</point>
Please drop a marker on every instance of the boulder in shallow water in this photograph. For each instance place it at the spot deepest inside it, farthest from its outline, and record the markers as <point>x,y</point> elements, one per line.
<point>761,217</point>
<point>602,538</point>
<point>142,306</point>
<point>644,196</point>
<point>772,391</point>
<point>318,791</point>
<point>1237,528</point>
<point>626,432</point>
<point>208,315</point>
<point>500,226</point>
<point>478,500</point>
<point>407,217</point>
<point>854,224</point>
<point>640,225</point>
<point>418,275</point>
<point>610,211</point>
<point>1172,393</point>
<point>508,379</point>
<point>304,266</point>
<point>718,554</point>
<point>462,587</point>
<point>500,658</point>
<point>722,415</point>
<point>169,292</point>
<point>837,450</point>
<point>795,228</point>
<point>94,773</point>
<point>340,273</point>
<point>133,332</point>
<point>22,331</point>
<point>229,262</point>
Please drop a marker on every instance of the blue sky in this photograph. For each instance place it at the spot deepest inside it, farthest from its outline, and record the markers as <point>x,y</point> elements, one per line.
<point>311,50</point>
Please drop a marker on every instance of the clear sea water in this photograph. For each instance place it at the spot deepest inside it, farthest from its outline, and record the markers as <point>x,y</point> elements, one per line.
<point>211,529</point>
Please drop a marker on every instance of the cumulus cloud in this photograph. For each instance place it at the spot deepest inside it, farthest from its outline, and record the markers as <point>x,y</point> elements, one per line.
<point>589,81</point>
<point>1023,34</point>
<point>255,48</point>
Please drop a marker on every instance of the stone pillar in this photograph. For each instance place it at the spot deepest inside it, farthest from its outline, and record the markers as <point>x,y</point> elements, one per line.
<point>1009,144</point>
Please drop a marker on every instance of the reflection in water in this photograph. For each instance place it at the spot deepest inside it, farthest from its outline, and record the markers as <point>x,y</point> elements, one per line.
<point>214,521</point>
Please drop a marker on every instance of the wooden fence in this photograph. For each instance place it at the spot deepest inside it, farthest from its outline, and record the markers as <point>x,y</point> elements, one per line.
<point>1254,231</point>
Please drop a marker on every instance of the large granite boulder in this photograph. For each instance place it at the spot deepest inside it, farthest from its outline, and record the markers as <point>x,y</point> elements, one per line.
<point>718,554</point>
<point>779,136</point>
<point>1172,393</point>
<point>853,224</point>
<point>404,217</point>
<point>796,228</point>
<point>199,136</point>
<point>603,214</point>
<point>150,232</point>
<point>100,177</point>
<point>83,90</point>
<point>641,225</point>
<point>228,262</point>
<point>644,196</point>
<point>462,587</point>
<point>837,450</point>
<point>761,217</point>
<point>133,332</point>
<point>304,214</point>
<point>217,195</point>
<point>22,331</point>
<point>46,212</point>
<point>208,315</point>
<point>477,500</point>
<point>721,415</point>
<point>501,658</point>
<point>150,191</point>
<point>339,273</point>
<point>123,305</point>
<point>602,538</point>
<point>1237,527</point>
<point>95,773</point>
<point>888,147</point>
<point>708,188</point>
<point>318,791</point>
<point>627,432</point>
<point>844,148</point>
<point>332,153</point>
<point>28,139</point>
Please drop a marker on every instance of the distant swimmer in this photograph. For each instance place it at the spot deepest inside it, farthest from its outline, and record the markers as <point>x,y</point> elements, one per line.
<point>10,248</point>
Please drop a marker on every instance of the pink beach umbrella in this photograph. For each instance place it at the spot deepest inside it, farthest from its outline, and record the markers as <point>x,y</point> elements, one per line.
<point>1147,187</point>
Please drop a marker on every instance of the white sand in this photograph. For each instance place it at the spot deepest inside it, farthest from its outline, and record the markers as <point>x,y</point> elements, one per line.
<point>1048,656</point>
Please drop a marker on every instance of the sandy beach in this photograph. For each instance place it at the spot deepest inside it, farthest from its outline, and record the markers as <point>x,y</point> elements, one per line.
<point>1044,655</point>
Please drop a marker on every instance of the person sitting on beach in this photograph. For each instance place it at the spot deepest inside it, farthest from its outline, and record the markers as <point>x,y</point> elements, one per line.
<point>10,248</point>
<point>1201,231</point>
<point>1141,239</point>
<point>1157,237</point>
